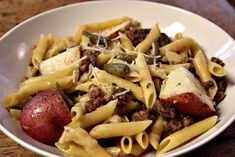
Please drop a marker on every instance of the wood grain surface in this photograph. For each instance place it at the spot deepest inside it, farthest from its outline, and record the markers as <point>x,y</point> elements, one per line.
<point>221,12</point>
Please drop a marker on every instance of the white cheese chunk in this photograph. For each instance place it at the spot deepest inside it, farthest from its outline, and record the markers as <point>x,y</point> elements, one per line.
<point>182,81</point>
<point>59,61</point>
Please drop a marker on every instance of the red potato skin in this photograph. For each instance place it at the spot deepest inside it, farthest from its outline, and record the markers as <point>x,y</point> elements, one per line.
<point>44,117</point>
<point>190,104</point>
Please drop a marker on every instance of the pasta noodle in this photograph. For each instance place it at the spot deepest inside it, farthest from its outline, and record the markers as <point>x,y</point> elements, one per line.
<point>186,134</point>
<point>119,129</point>
<point>126,42</point>
<point>15,113</point>
<point>30,89</point>
<point>155,133</point>
<point>39,51</point>
<point>82,138</point>
<point>216,69</point>
<point>176,45</point>
<point>97,116</point>
<point>72,149</point>
<point>202,70</point>
<point>146,82</point>
<point>142,139</point>
<point>103,58</point>
<point>153,35</point>
<point>101,26</point>
<point>115,151</point>
<point>126,144</point>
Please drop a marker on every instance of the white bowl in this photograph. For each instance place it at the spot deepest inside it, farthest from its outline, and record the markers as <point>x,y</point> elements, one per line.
<point>16,44</point>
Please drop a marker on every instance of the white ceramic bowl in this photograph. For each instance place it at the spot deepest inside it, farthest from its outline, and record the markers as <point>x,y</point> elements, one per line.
<point>15,54</point>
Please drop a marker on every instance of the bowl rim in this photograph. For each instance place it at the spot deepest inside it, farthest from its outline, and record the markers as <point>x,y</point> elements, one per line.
<point>186,150</point>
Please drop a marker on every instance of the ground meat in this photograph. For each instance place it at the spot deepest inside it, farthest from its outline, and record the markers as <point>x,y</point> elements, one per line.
<point>207,84</point>
<point>222,84</point>
<point>144,115</point>
<point>218,61</point>
<point>187,121</point>
<point>91,106</point>
<point>91,59</point>
<point>166,111</point>
<point>220,95</point>
<point>97,98</point>
<point>173,120</point>
<point>172,125</point>
<point>94,91</point>
<point>135,34</point>
<point>122,100</point>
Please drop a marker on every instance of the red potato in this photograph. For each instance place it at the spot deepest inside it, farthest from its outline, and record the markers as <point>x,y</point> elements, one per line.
<point>44,116</point>
<point>190,104</point>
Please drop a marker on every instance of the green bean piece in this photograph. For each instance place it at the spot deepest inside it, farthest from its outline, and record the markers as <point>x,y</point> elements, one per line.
<point>164,40</point>
<point>127,57</point>
<point>18,106</point>
<point>118,69</point>
<point>94,38</point>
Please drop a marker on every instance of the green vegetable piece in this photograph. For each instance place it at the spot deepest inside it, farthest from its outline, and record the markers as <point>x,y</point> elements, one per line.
<point>94,38</point>
<point>118,69</point>
<point>67,100</point>
<point>127,57</point>
<point>164,40</point>
<point>18,106</point>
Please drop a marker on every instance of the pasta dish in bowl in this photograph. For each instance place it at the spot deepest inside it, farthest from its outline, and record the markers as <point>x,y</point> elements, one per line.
<point>117,88</point>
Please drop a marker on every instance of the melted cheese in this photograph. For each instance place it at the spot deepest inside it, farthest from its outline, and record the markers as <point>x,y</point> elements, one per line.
<point>60,61</point>
<point>182,81</point>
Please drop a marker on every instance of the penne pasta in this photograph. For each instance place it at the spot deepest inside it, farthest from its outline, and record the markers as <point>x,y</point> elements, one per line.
<point>157,72</point>
<point>216,69</point>
<point>39,51</point>
<point>85,41</point>
<point>176,45</point>
<point>72,149</point>
<point>82,138</point>
<point>155,133</point>
<point>126,144</point>
<point>32,88</point>
<point>58,45</point>
<point>201,66</point>
<point>119,129</point>
<point>103,58</point>
<point>134,76</point>
<point>153,36</point>
<point>15,113</point>
<point>114,151</point>
<point>59,74</point>
<point>97,116</point>
<point>126,42</point>
<point>202,70</point>
<point>173,57</point>
<point>78,36</point>
<point>85,86</point>
<point>101,26</point>
<point>104,77</point>
<point>146,82</point>
<point>142,139</point>
<point>77,111</point>
<point>184,135</point>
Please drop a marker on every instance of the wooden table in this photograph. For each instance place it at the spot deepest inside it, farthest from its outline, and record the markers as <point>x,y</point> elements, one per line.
<point>220,12</point>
